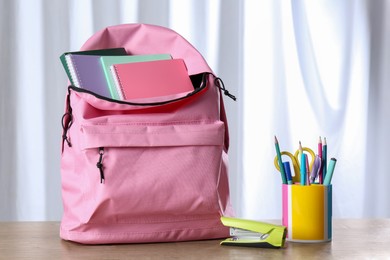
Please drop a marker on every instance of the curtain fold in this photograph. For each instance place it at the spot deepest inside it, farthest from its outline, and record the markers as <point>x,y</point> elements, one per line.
<point>377,176</point>
<point>299,69</point>
<point>8,120</point>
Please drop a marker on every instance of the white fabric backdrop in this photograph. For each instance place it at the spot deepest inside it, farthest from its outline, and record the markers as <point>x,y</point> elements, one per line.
<point>299,69</point>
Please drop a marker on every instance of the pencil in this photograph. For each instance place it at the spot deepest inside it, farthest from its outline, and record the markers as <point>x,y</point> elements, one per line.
<point>282,172</point>
<point>320,173</point>
<point>324,157</point>
<point>300,153</point>
<point>307,170</point>
<point>303,169</point>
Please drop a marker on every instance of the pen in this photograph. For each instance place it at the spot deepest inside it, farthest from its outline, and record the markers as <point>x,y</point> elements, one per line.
<point>282,173</point>
<point>329,173</point>
<point>324,157</point>
<point>287,169</point>
<point>303,169</point>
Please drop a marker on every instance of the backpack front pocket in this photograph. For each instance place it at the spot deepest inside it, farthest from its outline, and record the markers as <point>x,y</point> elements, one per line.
<point>145,173</point>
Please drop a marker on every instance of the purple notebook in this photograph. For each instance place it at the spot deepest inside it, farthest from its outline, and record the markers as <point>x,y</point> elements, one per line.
<point>87,72</point>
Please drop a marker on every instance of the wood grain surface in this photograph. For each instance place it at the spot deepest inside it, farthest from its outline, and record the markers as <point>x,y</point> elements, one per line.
<point>352,239</point>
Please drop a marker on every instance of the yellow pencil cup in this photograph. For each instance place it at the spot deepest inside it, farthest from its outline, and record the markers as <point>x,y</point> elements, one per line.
<point>307,212</point>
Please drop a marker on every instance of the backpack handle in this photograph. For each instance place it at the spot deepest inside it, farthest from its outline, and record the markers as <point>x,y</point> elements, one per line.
<point>139,39</point>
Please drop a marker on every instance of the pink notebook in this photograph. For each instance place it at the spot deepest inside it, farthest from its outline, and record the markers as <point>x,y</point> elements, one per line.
<point>151,78</point>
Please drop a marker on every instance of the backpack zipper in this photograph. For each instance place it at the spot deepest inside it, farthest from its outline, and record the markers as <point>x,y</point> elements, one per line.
<point>217,81</point>
<point>67,121</point>
<point>67,118</point>
<point>99,164</point>
<point>202,86</point>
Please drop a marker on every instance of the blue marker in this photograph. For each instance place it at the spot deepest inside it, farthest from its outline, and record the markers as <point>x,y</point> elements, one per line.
<point>287,169</point>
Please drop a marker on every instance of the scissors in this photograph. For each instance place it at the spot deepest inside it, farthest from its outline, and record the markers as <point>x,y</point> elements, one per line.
<point>295,162</point>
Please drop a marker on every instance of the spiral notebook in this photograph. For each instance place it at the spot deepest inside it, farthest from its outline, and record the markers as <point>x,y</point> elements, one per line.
<point>108,61</point>
<point>65,57</point>
<point>151,78</point>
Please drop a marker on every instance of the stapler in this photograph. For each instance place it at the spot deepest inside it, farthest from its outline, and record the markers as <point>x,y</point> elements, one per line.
<point>250,233</point>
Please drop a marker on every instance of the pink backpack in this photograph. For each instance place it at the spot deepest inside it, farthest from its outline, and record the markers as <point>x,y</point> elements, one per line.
<point>147,171</point>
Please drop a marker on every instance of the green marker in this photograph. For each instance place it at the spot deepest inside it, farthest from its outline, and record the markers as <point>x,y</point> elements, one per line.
<point>329,173</point>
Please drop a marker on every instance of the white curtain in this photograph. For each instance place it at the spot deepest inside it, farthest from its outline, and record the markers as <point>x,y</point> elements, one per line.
<point>300,69</point>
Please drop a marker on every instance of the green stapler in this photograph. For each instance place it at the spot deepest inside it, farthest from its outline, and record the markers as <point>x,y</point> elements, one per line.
<point>251,233</point>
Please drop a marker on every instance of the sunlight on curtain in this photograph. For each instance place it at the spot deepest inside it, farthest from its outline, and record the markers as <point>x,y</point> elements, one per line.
<point>81,26</point>
<point>30,170</point>
<point>259,192</point>
<point>377,179</point>
<point>198,22</point>
<point>129,11</point>
<point>332,44</point>
<point>302,61</point>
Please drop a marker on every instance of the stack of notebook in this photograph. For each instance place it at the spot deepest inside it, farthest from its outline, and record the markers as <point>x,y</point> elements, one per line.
<point>114,74</point>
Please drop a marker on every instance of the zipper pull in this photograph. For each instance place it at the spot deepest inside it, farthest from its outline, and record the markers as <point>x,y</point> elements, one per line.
<point>219,83</point>
<point>67,121</point>
<point>99,164</point>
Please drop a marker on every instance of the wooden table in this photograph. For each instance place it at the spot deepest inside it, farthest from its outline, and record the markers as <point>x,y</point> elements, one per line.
<point>352,239</point>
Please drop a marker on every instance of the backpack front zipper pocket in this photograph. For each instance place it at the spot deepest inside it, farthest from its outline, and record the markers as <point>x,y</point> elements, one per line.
<point>158,161</point>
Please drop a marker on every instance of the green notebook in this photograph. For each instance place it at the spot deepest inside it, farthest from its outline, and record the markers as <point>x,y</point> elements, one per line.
<point>108,61</point>
<point>111,51</point>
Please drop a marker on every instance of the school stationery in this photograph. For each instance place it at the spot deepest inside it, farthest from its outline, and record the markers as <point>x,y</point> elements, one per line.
<point>307,212</point>
<point>295,164</point>
<point>150,171</point>
<point>151,79</point>
<point>324,156</point>
<point>303,169</point>
<point>287,169</point>
<point>315,169</point>
<point>304,172</point>
<point>250,233</point>
<point>329,174</point>
<point>110,51</point>
<point>108,61</point>
<point>279,158</point>
<point>320,174</point>
<point>87,73</point>
<point>300,150</point>
<point>295,161</point>
<point>307,204</point>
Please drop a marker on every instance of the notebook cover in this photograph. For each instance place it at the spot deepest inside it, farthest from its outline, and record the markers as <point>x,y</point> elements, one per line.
<point>88,73</point>
<point>152,78</point>
<point>108,61</point>
<point>111,51</point>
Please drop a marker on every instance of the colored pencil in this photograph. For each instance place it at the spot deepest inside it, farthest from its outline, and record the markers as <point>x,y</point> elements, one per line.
<point>282,172</point>
<point>324,157</point>
<point>320,174</point>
